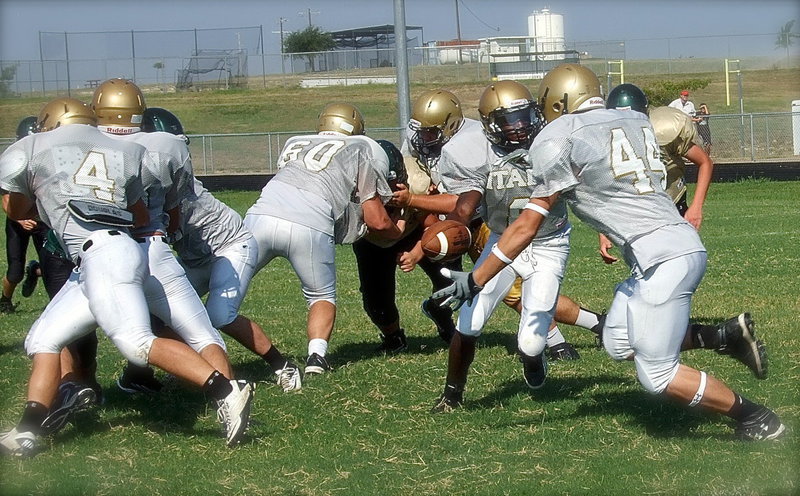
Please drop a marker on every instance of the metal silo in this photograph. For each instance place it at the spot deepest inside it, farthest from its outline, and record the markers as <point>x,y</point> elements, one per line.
<point>547,31</point>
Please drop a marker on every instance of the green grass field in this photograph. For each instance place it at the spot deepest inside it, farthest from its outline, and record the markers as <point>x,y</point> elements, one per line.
<point>365,427</point>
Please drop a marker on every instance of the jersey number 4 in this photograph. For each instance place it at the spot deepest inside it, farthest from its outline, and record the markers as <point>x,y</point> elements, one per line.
<point>93,173</point>
<point>625,162</point>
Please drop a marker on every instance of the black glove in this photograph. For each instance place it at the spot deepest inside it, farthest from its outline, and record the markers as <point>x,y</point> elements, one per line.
<point>463,289</point>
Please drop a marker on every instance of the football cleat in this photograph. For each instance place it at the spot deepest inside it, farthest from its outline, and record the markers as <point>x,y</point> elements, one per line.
<point>763,425</point>
<point>6,305</point>
<point>233,412</point>
<point>16,443</point>
<point>316,364</point>
<point>393,343</point>
<point>737,338</point>
<point>289,377</point>
<point>534,369</point>
<point>442,316</point>
<point>563,351</point>
<point>449,400</point>
<point>139,380</point>
<point>72,398</point>
<point>31,278</point>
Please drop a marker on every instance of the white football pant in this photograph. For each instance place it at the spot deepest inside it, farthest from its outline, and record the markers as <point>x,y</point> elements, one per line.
<point>649,316</point>
<point>226,279</point>
<point>541,265</point>
<point>312,253</point>
<point>105,291</point>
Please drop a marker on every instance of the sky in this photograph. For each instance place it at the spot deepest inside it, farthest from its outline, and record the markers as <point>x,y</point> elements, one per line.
<point>21,20</point>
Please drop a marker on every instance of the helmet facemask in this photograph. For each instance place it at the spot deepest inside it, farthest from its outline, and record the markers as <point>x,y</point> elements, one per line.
<point>515,127</point>
<point>427,142</point>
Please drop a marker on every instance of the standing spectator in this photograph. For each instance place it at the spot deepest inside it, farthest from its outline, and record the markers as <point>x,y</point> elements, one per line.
<point>683,104</point>
<point>703,128</point>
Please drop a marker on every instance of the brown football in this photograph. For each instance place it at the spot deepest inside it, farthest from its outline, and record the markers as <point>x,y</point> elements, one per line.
<point>446,240</point>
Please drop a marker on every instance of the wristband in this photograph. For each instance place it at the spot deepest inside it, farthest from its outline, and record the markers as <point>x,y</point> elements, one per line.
<point>538,209</point>
<point>499,254</point>
<point>474,288</point>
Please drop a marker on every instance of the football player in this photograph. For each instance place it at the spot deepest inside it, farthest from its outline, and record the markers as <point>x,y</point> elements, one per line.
<point>18,235</point>
<point>218,254</point>
<point>377,258</point>
<point>330,188</point>
<point>119,106</point>
<point>604,163</point>
<point>677,139</point>
<point>453,148</point>
<point>88,188</point>
<point>510,119</point>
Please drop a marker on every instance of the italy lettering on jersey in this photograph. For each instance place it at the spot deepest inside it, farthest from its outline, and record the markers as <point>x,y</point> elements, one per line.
<point>342,171</point>
<point>605,164</point>
<point>207,227</point>
<point>508,185</point>
<point>169,178</point>
<point>675,135</point>
<point>73,162</point>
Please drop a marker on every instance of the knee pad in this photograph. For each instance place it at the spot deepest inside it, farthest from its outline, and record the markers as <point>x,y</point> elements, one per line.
<point>220,312</point>
<point>530,343</point>
<point>134,346</point>
<point>655,376</point>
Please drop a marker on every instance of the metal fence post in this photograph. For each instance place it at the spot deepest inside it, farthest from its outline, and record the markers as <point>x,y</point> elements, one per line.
<point>752,141</point>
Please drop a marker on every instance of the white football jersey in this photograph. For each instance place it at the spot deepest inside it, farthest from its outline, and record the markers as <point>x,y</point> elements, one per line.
<point>605,163</point>
<point>207,226</point>
<point>463,157</point>
<point>506,186</point>
<point>168,179</point>
<point>73,162</point>
<point>340,171</point>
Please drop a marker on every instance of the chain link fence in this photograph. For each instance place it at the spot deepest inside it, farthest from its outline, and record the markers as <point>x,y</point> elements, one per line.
<point>70,61</point>
<point>735,138</point>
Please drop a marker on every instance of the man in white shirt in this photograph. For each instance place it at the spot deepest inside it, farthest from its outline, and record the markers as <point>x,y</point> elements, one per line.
<point>683,104</point>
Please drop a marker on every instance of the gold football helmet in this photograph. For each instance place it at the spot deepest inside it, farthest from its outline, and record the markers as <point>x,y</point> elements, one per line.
<point>118,102</point>
<point>435,117</point>
<point>63,111</point>
<point>340,118</point>
<point>509,114</point>
<point>569,88</point>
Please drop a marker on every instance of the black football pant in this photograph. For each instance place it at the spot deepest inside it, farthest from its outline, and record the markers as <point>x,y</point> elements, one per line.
<point>377,268</point>
<point>17,239</point>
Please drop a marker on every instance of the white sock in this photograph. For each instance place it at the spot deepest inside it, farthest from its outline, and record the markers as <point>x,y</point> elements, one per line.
<point>586,319</point>
<point>554,337</point>
<point>318,346</point>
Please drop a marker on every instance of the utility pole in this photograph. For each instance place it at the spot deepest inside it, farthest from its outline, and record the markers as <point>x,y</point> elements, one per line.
<point>309,11</point>
<point>283,67</point>
<point>458,34</point>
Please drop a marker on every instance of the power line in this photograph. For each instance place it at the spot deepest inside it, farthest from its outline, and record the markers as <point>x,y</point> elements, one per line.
<point>476,17</point>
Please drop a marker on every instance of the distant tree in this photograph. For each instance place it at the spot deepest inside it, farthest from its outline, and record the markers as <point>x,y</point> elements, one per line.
<point>663,92</point>
<point>6,76</point>
<point>311,39</point>
<point>785,38</point>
